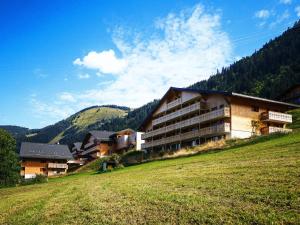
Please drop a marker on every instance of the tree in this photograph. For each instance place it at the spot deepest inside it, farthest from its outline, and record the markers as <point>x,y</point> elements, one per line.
<point>9,165</point>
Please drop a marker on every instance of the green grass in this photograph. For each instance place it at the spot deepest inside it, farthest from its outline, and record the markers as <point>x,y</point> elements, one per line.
<point>97,114</point>
<point>254,183</point>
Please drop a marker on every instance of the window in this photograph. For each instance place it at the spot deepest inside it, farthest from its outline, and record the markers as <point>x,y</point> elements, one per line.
<point>214,108</point>
<point>221,106</point>
<point>254,108</point>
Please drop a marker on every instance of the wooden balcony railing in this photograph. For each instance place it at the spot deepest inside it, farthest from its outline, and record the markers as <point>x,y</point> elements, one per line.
<point>174,103</point>
<point>270,129</point>
<point>217,114</point>
<point>276,117</point>
<point>207,131</point>
<point>181,112</point>
<point>58,165</point>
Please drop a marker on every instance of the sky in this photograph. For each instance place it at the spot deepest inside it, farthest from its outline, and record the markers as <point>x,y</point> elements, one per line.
<point>58,57</point>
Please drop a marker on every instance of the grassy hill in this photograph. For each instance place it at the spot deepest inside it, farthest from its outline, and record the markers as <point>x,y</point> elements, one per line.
<point>76,126</point>
<point>257,183</point>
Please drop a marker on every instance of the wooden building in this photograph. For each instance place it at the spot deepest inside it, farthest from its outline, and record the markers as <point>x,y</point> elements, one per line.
<point>96,144</point>
<point>45,159</point>
<point>291,95</point>
<point>188,117</point>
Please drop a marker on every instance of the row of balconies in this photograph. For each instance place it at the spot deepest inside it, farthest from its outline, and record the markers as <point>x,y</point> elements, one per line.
<point>207,131</point>
<point>216,114</point>
<point>181,112</point>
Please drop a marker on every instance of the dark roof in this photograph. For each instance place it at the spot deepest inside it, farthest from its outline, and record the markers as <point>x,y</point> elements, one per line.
<point>44,151</point>
<point>101,135</point>
<point>207,92</point>
<point>77,145</point>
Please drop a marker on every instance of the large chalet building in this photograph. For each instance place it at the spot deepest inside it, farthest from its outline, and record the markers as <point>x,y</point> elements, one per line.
<point>45,159</point>
<point>187,117</point>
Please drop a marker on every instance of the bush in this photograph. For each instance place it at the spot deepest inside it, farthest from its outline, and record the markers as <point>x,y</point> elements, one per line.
<point>9,163</point>
<point>39,178</point>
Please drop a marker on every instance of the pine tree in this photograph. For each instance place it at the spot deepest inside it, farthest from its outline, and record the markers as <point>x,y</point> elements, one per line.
<point>9,165</point>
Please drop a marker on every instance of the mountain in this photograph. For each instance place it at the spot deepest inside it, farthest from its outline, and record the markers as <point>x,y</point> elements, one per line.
<point>74,127</point>
<point>266,73</point>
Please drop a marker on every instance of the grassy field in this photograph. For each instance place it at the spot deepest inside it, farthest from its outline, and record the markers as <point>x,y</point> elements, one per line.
<point>257,183</point>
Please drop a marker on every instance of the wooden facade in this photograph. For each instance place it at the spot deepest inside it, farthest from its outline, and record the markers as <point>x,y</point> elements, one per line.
<point>187,117</point>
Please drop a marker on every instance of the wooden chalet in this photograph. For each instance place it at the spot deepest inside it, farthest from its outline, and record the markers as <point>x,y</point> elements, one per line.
<point>45,159</point>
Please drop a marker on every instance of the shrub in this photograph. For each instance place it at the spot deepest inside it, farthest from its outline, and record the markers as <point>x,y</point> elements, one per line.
<point>39,178</point>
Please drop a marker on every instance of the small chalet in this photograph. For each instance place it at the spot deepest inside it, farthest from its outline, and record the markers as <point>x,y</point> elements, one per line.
<point>45,159</point>
<point>96,144</point>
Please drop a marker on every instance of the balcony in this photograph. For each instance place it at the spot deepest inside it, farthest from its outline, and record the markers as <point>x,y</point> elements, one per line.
<point>270,130</point>
<point>213,115</point>
<point>58,165</point>
<point>204,132</point>
<point>276,117</point>
<point>181,112</point>
<point>93,149</point>
<point>174,103</point>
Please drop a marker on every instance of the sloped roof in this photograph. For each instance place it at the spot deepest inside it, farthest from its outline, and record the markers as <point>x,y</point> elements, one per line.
<point>207,92</point>
<point>125,131</point>
<point>101,135</point>
<point>77,145</point>
<point>44,151</point>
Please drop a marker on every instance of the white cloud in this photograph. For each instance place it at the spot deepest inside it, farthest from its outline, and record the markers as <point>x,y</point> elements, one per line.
<point>51,112</point>
<point>67,97</point>
<point>297,10</point>
<point>105,62</point>
<point>83,76</point>
<point>285,2</point>
<point>184,48</point>
<point>262,14</point>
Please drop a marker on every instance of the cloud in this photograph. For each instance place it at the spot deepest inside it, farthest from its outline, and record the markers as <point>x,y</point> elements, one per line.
<point>83,76</point>
<point>262,14</point>
<point>67,97</point>
<point>50,111</point>
<point>184,48</point>
<point>297,10</point>
<point>286,2</point>
<point>105,62</point>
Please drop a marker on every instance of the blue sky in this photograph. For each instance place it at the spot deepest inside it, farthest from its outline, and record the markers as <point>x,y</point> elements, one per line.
<point>58,57</point>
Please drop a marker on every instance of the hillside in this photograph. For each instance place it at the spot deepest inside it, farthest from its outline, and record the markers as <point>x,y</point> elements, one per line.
<point>76,126</point>
<point>267,73</point>
<point>257,183</point>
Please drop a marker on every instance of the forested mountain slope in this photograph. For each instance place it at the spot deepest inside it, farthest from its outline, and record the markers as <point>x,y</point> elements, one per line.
<point>266,73</point>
